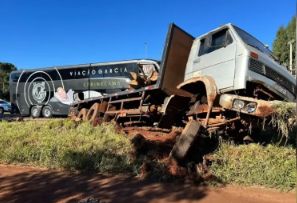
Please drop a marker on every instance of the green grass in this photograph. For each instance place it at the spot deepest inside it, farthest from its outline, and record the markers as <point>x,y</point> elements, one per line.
<point>64,144</point>
<point>284,119</point>
<point>269,166</point>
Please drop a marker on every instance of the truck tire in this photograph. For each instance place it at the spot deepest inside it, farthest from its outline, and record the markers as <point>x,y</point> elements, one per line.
<point>47,112</point>
<point>35,111</point>
<point>82,115</point>
<point>184,142</point>
<point>93,112</point>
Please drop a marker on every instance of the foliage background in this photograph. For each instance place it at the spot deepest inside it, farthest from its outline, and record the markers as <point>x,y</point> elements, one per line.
<point>5,70</point>
<point>280,45</point>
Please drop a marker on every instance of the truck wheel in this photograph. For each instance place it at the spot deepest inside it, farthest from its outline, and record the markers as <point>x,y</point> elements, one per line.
<point>185,141</point>
<point>93,112</point>
<point>47,112</point>
<point>35,111</point>
<point>82,115</point>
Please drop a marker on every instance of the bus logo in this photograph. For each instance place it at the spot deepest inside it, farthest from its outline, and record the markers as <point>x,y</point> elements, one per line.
<point>38,91</point>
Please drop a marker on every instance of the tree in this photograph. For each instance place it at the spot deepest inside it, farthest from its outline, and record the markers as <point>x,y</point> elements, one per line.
<point>5,70</point>
<point>281,47</point>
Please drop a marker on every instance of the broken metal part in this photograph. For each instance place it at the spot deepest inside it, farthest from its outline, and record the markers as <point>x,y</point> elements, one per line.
<point>258,90</point>
<point>198,108</point>
<point>225,122</point>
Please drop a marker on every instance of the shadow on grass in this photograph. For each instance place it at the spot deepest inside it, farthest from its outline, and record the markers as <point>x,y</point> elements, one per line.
<point>96,161</point>
<point>273,136</point>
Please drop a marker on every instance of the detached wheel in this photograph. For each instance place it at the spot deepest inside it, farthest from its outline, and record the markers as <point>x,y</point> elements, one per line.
<point>47,112</point>
<point>185,141</point>
<point>35,111</point>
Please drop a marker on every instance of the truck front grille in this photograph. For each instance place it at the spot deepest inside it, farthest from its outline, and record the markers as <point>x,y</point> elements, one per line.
<point>256,66</point>
<point>267,71</point>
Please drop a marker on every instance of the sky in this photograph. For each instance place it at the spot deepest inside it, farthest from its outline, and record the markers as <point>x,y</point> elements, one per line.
<point>43,33</point>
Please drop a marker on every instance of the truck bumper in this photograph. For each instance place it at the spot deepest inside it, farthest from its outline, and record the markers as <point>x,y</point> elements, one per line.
<point>247,105</point>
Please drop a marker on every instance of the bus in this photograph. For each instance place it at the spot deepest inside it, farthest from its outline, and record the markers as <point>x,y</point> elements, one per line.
<point>48,92</point>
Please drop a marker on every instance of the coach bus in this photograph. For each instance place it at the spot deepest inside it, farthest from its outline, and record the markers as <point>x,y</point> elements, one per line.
<point>50,91</point>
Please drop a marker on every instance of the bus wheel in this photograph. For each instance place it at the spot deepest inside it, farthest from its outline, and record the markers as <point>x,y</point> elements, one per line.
<point>47,112</point>
<point>82,115</point>
<point>93,112</point>
<point>35,111</point>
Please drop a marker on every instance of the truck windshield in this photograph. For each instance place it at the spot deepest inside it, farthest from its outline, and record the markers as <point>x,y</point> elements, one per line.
<point>252,41</point>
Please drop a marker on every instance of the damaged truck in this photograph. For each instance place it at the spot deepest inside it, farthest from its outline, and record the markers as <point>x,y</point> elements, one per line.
<point>224,83</point>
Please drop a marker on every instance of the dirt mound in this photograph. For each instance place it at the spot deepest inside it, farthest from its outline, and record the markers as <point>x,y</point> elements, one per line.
<point>152,151</point>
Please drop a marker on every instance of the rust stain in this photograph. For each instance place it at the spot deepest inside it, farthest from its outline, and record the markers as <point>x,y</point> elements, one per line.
<point>264,109</point>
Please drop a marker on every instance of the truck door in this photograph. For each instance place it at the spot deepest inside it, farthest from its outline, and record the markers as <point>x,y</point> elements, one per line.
<point>216,58</point>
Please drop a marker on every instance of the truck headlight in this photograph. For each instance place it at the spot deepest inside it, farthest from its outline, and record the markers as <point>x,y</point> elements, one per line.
<point>238,104</point>
<point>251,107</point>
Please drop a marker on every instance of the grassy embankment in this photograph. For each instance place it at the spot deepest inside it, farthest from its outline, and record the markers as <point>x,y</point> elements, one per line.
<point>65,144</point>
<point>270,166</point>
<point>71,146</point>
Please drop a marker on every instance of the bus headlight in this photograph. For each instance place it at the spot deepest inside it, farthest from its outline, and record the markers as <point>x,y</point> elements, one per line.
<point>251,107</point>
<point>238,104</point>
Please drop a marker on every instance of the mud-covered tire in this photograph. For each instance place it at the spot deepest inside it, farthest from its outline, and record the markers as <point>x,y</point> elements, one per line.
<point>35,111</point>
<point>185,141</point>
<point>47,112</point>
<point>82,115</point>
<point>93,112</point>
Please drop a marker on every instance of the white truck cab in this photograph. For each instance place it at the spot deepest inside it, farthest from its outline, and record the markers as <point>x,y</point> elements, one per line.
<point>238,61</point>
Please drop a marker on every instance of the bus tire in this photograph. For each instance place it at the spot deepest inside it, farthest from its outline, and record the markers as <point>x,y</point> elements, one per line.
<point>93,112</point>
<point>47,112</point>
<point>35,111</point>
<point>82,115</point>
